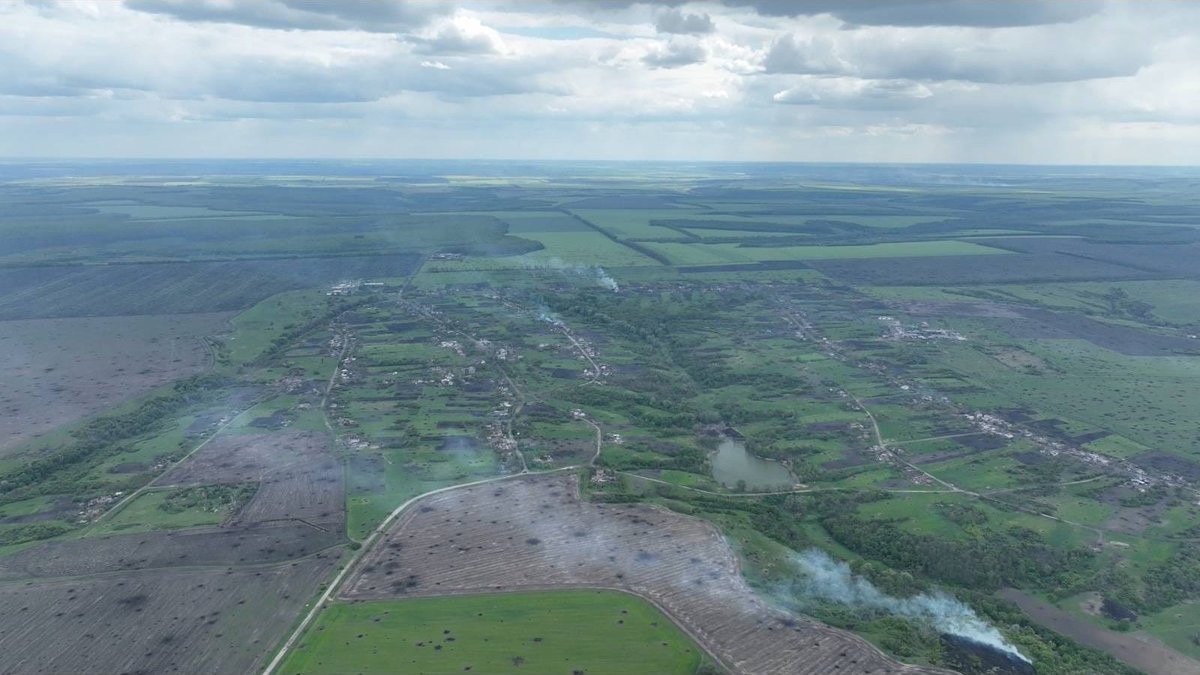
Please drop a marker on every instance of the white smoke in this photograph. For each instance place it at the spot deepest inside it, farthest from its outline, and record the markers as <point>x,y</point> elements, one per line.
<point>829,579</point>
<point>593,272</point>
<point>549,317</point>
<point>605,280</point>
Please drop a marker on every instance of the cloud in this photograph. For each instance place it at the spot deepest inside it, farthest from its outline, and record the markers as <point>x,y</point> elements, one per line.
<point>931,12</point>
<point>463,34</point>
<point>848,91</point>
<point>675,54</point>
<point>792,54</point>
<point>376,16</point>
<point>677,22</point>
<point>902,80</point>
<point>1029,56</point>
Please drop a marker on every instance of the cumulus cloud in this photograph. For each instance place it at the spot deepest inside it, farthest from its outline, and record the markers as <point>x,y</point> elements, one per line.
<point>463,34</point>
<point>678,22</point>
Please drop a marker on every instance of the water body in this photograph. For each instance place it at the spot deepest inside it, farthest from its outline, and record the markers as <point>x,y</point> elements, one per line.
<point>731,463</point>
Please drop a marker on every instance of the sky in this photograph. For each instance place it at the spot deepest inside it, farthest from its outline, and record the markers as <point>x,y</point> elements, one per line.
<point>1015,81</point>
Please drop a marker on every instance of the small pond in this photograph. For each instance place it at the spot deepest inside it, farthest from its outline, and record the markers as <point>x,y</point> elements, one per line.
<point>731,463</point>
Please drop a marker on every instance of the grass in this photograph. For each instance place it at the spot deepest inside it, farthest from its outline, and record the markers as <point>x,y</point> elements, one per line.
<point>571,252</point>
<point>584,248</point>
<point>1175,301</point>
<point>27,507</point>
<point>1143,399</point>
<point>255,328</point>
<point>403,474</point>
<point>522,223</point>
<point>710,254</point>
<point>1177,626</point>
<point>595,632</point>
<point>176,508</point>
<point>635,223</point>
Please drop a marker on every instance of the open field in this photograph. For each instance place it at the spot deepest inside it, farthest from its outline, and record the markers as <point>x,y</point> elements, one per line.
<point>546,633</point>
<point>534,533</point>
<point>59,371</point>
<point>214,620</point>
<point>699,254</point>
<point>175,288</point>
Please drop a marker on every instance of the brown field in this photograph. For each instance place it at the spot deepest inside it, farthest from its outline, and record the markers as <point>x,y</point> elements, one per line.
<point>215,620</point>
<point>201,600</point>
<point>59,371</point>
<point>535,532</point>
<point>299,479</point>
<point>202,546</point>
<point>1140,651</point>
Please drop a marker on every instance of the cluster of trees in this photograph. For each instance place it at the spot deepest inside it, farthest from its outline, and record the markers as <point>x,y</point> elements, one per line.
<point>19,534</point>
<point>883,563</point>
<point>213,498</point>
<point>1120,305</point>
<point>963,515</point>
<point>1170,582</point>
<point>1015,556</point>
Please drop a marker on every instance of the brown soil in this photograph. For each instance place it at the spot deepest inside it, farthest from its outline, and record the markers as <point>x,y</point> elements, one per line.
<point>214,620</point>
<point>298,477</point>
<point>59,371</point>
<point>198,600</point>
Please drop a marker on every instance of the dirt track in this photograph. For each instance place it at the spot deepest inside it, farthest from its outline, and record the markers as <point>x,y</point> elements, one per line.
<point>1140,651</point>
<point>534,532</point>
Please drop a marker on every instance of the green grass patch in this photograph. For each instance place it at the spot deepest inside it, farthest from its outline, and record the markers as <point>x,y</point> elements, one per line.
<point>178,508</point>
<point>594,632</point>
<point>710,254</point>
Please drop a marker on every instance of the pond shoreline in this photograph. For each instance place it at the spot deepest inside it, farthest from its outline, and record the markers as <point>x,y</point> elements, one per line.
<point>731,463</point>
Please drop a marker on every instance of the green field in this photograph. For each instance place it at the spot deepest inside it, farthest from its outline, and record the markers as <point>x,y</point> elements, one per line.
<point>709,254</point>
<point>595,632</point>
<point>177,508</point>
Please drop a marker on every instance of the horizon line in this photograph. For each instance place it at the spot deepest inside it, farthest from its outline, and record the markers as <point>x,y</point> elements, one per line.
<point>777,162</point>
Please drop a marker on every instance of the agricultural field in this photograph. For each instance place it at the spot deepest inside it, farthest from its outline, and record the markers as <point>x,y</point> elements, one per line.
<point>544,632</point>
<point>681,564</point>
<point>700,254</point>
<point>60,371</point>
<point>814,417</point>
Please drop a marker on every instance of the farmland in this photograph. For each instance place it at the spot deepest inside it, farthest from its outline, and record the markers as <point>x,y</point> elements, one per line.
<point>536,632</point>
<point>980,390</point>
<point>679,563</point>
<point>59,371</point>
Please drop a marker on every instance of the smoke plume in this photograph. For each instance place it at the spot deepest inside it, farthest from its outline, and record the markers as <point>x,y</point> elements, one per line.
<point>549,317</point>
<point>829,579</point>
<point>592,272</point>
